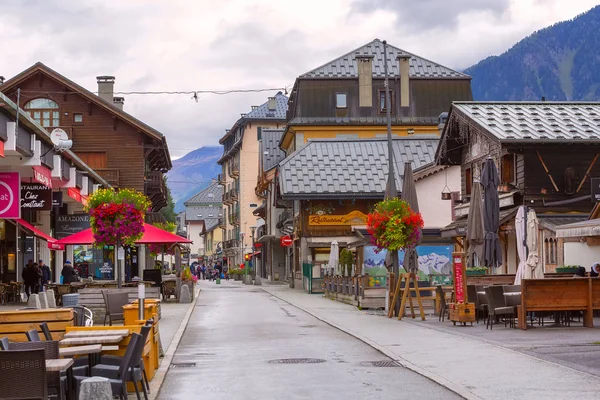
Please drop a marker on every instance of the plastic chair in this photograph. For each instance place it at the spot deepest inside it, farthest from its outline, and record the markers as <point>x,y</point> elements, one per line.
<point>33,336</point>
<point>83,316</point>
<point>23,374</point>
<point>46,331</point>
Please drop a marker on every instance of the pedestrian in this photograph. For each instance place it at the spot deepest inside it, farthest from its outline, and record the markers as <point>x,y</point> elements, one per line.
<point>193,269</point>
<point>595,271</point>
<point>29,276</point>
<point>203,271</point>
<point>226,271</point>
<point>69,274</point>
<point>38,278</point>
<point>46,274</point>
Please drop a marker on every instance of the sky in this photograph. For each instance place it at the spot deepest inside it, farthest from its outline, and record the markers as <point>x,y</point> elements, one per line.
<point>194,45</point>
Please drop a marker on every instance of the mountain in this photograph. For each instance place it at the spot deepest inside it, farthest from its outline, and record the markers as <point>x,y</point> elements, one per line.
<point>561,62</point>
<point>192,173</point>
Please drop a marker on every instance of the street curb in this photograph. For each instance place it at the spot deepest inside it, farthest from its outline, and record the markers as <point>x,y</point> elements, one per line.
<point>456,388</point>
<point>161,372</point>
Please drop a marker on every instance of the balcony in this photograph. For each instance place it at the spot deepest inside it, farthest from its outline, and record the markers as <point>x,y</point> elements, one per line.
<point>234,169</point>
<point>234,219</point>
<point>155,217</point>
<point>156,190</point>
<point>231,244</point>
<point>221,223</point>
<point>233,195</point>
<point>226,198</point>
<point>221,179</point>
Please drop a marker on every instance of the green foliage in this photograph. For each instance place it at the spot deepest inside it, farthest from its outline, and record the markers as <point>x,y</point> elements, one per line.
<point>129,196</point>
<point>347,259</point>
<point>169,226</point>
<point>169,211</point>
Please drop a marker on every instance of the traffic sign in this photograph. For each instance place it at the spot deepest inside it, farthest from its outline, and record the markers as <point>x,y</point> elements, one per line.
<point>286,241</point>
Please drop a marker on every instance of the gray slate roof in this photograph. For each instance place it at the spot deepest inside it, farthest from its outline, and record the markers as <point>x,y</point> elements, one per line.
<point>263,112</point>
<point>362,121</point>
<point>271,153</point>
<point>346,66</point>
<point>548,121</point>
<point>210,195</point>
<point>349,168</point>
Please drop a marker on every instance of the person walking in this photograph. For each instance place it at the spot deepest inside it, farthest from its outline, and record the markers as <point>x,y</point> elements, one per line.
<point>46,274</point>
<point>202,274</point>
<point>69,274</point>
<point>38,278</point>
<point>29,276</point>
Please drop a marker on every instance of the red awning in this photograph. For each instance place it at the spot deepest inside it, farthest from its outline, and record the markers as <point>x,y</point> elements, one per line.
<point>152,235</point>
<point>52,243</point>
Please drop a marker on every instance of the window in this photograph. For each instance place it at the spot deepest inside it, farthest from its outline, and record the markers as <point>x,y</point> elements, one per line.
<point>78,118</point>
<point>340,100</point>
<point>95,160</point>
<point>551,250</point>
<point>45,111</point>
<point>468,181</point>
<point>382,103</point>
<point>508,168</point>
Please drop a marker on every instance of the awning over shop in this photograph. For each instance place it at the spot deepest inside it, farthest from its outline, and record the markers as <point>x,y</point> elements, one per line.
<point>52,243</point>
<point>579,229</point>
<point>152,235</point>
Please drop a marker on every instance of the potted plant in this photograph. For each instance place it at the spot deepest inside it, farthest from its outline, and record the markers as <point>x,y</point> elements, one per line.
<point>567,269</point>
<point>187,278</point>
<point>471,271</point>
<point>393,225</point>
<point>347,260</point>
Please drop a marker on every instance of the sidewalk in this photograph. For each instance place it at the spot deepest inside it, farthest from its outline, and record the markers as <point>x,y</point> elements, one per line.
<point>473,368</point>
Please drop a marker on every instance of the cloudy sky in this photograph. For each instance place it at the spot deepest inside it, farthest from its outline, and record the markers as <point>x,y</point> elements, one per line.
<point>188,45</point>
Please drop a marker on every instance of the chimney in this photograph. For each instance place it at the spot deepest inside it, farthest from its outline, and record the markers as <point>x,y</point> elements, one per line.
<point>118,102</point>
<point>272,104</point>
<point>403,61</point>
<point>365,80</point>
<point>106,88</point>
<point>1,79</point>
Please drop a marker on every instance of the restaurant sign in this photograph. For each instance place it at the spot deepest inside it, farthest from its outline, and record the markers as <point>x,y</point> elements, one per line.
<point>352,218</point>
<point>42,175</point>
<point>458,272</point>
<point>35,196</point>
<point>10,191</point>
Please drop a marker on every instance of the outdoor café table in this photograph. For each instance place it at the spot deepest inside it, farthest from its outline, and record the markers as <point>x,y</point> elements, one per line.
<point>63,364</point>
<point>92,351</point>
<point>88,333</point>
<point>77,341</point>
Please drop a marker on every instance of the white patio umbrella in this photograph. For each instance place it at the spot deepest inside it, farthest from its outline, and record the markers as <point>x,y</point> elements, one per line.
<point>520,229</point>
<point>534,268</point>
<point>334,257</point>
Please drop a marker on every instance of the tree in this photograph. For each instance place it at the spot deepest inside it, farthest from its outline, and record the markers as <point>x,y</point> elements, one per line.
<point>169,211</point>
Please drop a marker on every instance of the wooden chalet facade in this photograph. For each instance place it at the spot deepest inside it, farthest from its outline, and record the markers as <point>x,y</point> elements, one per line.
<point>122,149</point>
<point>546,154</point>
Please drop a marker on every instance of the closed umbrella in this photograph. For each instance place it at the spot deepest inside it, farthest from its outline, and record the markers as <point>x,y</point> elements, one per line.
<point>492,253</point>
<point>475,231</point>
<point>334,257</point>
<point>532,244</point>
<point>409,194</point>
<point>520,231</point>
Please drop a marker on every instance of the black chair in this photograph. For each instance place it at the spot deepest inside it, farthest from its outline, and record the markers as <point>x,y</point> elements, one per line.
<point>33,336</point>
<point>496,306</point>
<point>4,343</point>
<point>443,306</point>
<point>46,331</point>
<point>114,302</point>
<point>119,384</point>
<point>116,360</point>
<point>23,374</point>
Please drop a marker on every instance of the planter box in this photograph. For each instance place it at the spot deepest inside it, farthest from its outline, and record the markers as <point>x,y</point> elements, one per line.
<point>566,270</point>
<point>475,273</point>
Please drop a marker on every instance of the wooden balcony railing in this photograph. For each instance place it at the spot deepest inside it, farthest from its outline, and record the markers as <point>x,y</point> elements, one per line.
<point>110,175</point>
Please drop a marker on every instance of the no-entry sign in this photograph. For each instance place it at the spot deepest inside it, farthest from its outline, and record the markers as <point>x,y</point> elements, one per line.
<point>286,241</point>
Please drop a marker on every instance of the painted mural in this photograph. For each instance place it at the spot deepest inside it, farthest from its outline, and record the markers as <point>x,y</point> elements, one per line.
<point>433,260</point>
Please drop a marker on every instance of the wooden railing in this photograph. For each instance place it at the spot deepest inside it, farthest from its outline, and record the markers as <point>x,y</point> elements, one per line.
<point>110,175</point>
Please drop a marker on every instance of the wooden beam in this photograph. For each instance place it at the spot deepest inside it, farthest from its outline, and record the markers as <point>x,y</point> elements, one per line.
<point>115,121</point>
<point>587,173</point>
<point>89,103</point>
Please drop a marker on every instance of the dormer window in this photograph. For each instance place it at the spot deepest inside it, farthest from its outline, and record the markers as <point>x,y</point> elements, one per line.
<point>382,104</point>
<point>340,100</point>
<point>45,111</point>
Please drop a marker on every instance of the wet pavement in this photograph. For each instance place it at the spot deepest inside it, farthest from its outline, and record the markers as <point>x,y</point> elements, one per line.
<point>243,343</point>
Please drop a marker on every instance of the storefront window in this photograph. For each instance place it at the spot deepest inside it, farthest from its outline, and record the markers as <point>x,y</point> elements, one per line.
<point>94,262</point>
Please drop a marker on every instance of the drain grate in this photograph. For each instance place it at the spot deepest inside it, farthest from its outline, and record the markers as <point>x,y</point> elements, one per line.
<point>183,365</point>
<point>297,361</point>
<point>381,364</point>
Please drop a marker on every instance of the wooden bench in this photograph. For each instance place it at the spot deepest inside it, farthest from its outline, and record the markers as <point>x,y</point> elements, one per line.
<point>92,299</point>
<point>505,279</point>
<point>14,324</point>
<point>560,294</point>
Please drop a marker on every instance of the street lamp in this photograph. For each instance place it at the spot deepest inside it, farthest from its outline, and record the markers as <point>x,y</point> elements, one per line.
<point>252,229</point>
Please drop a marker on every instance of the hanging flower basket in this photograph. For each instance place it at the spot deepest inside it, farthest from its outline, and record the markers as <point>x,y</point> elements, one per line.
<point>117,215</point>
<point>394,226</point>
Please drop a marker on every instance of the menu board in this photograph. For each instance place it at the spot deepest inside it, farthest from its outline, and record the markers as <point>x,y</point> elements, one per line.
<point>458,272</point>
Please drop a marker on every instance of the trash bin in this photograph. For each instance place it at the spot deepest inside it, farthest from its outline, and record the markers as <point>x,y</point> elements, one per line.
<point>218,280</point>
<point>70,300</point>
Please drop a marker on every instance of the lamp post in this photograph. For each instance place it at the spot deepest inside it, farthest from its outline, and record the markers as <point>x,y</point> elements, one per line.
<point>390,191</point>
<point>252,230</point>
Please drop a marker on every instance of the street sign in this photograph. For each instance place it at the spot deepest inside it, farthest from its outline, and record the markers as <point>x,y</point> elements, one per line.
<point>286,241</point>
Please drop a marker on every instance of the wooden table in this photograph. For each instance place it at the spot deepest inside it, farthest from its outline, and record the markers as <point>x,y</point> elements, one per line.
<point>110,339</point>
<point>63,364</point>
<point>92,351</point>
<point>90,333</point>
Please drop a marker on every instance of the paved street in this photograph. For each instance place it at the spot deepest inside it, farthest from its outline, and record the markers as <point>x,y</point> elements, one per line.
<point>238,338</point>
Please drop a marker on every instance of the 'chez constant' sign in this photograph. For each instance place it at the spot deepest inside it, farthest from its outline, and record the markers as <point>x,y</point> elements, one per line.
<point>35,196</point>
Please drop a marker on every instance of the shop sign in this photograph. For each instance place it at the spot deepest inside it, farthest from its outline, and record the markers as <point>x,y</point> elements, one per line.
<point>352,218</point>
<point>57,199</point>
<point>75,194</point>
<point>36,197</point>
<point>10,191</point>
<point>67,225</point>
<point>458,271</point>
<point>42,175</point>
